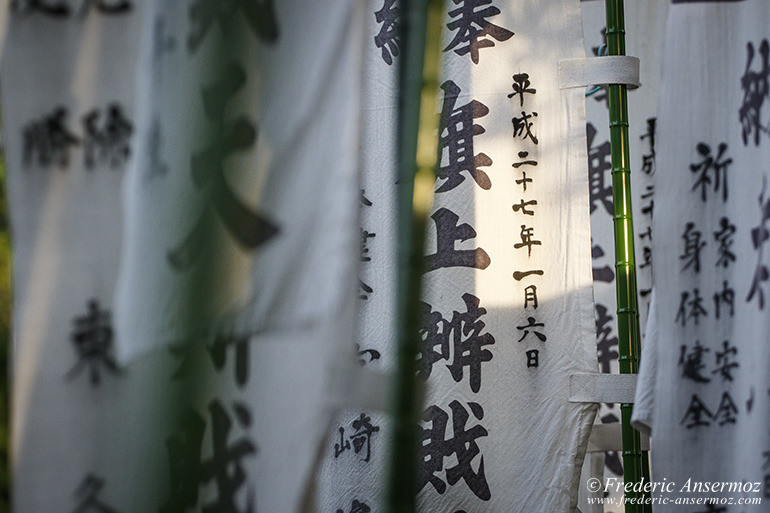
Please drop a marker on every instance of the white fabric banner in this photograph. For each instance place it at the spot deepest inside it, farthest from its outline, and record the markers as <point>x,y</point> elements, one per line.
<point>508,314</point>
<point>706,401</point>
<point>253,144</point>
<point>70,77</point>
<point>645,28</point>
<point>262,209</point>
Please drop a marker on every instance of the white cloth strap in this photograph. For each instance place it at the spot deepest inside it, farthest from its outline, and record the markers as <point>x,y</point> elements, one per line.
<point>609,437</point>
<point>602,388</point>
<point>611,69</point>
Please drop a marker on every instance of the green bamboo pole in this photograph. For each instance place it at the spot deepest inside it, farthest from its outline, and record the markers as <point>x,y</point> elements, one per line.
<point>420,24</point>
<point>635,467</point>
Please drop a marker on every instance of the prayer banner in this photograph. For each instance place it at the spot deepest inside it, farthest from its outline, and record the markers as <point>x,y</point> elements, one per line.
<point>704,381</point>
<point>507,307</point>
<point>176,156</point>
<point>645,28</point>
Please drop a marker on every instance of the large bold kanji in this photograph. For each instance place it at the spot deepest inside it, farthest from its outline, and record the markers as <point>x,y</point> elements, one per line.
<point>448,234</point>
<point>461,336</point>
<point>460,447</point>
<point>248,228</point>
<point>456,132</point>
<point>472,30</point>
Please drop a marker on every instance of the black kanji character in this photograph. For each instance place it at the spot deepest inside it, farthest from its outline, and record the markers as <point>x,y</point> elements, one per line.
<point>711,165</point>
<point>524,181</point>
<point>646,257</point>
<point>184,457</point>
<point>756,87</point>
<point>434,447</point>
<point>527,240</point>
<point>697,413</point>
<point>448,234</point>
<point>92,338</point>
<point>530,296</point>
<point>648,160</point>
<point>649,207</point>
<point>388,37</point>
<point>109,143</point>
<point>365,236</point>
<point>472,28</point>
<point>726,364</point>
<point>759,236</point>
<point>364,200</point>
<point>456,147</point>
<point>604,274</point>
<point>362,434</point>
<point>373,355</point>
<point>468,341</point>
<point>259,15</point>
<point>225,467</point>
<point>532,324</point>
<point>48,141</point>
<point>598,165</point>
<point>724,236</point>
<point>366,290</point>
<point>87,493</point>
<point>249,229</point>
<point>521,87</point>
<point>523,155</point>
<point>522,127</point>
<point>523,207</point>
<point>520,275</point>
<point>605,342</point>
<point>727,411</point>
<point>692,309</point>
<point>692,247</point>
<point>218,353</point>
<point>726,296</point>
<point>533,358</point>
<point>692,363</point>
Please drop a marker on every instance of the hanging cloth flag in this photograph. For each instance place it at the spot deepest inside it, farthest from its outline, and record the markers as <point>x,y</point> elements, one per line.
<point>234,139</point>
<point>507,310</point>
<point>704,380</point>
<point>355,466</point>
<point>257,207</point>
<point>70,75</point>
<point>645,28</point>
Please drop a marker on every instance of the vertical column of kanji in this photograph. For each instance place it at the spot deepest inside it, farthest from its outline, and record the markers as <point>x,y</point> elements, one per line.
<point>645,23</point>
<point>272,172</point>
<point>70,76</point>
<point>210,452</point>
<point>355,467</point>
<point>508,267</point>
<point>710,395</point>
